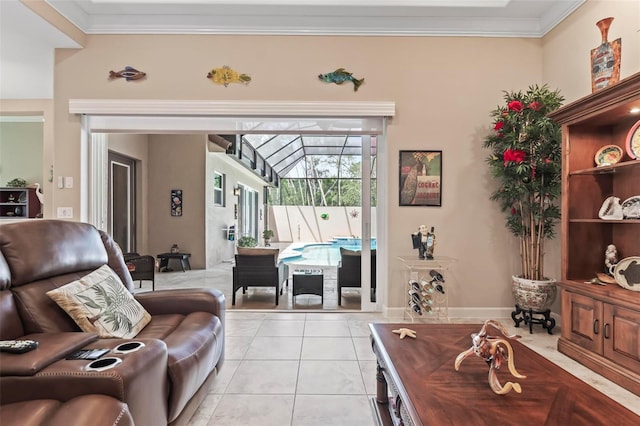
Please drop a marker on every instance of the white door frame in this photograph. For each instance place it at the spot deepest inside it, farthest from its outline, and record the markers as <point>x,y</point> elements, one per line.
<point>101,116</point>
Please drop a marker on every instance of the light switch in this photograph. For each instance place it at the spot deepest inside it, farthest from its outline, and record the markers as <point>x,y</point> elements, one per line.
<point>68,182</point>
<point>60,182</point>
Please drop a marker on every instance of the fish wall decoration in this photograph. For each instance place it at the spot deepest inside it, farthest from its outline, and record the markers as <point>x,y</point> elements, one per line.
<point>128,73</point>
<point>226,75</point>
<point>340,76</point>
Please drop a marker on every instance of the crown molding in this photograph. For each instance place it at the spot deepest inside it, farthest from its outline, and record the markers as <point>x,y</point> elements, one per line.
<point>490,18</point>
<point>118,107</point>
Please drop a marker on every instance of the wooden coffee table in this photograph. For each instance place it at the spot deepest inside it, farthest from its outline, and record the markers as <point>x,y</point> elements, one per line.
<point>418,384</point>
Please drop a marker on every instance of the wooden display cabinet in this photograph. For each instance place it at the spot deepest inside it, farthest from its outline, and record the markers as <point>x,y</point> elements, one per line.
<point>600,324</point>
<point>18,203</point>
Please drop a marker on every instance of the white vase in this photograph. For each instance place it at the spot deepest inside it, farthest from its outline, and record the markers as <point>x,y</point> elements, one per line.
<point>533,294</point>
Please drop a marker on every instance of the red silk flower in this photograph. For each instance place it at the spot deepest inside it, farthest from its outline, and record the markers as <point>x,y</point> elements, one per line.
<point>516,155</point>
<point>498,126</point>
<point>515,106</point>
<point>535,105</point>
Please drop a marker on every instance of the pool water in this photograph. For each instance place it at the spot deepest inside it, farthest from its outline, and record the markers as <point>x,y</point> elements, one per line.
<point>325,254</point>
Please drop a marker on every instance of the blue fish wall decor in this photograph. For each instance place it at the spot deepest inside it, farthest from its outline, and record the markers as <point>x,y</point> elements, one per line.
<point>340,76</point>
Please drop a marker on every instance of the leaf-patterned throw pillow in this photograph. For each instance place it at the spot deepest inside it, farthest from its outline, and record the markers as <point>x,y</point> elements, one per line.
<point>100,303</point>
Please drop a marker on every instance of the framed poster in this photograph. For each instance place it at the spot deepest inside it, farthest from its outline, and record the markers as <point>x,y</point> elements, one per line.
<point>420,178</point>
<point>176,202</point>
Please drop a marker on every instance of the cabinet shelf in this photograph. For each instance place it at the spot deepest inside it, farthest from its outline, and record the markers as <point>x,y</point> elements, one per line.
<point>604,170</point>
<point>615,222</point>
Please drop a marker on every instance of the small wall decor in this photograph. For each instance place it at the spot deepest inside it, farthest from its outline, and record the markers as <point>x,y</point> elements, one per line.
<point>420,178</point>
<point>226,75</point>
<point>324,216</point>
<point>128,73</point>
<point>354,213</point>
<point>605,59</point>
<point>340,76</point>
<point>176,202</point>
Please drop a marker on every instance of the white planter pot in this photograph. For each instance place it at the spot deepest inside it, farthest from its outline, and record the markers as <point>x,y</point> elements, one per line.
<point>533,294</point>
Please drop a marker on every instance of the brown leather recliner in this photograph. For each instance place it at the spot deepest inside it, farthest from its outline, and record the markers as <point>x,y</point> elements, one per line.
<point>94,410</point>
<point>163,383</point>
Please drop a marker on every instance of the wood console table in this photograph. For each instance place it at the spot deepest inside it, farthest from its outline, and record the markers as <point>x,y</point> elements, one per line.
<point>418,384</point>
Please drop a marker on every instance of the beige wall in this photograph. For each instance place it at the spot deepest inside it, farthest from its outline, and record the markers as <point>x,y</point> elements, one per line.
<point>566,52</point>
<point>443,88</point>
<point>177,162</point>
<point>137,147</point>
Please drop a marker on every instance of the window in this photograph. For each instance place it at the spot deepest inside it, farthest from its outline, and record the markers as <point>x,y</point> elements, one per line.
<point>218,189</point>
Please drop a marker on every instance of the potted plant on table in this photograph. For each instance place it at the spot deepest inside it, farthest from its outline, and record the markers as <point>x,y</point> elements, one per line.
<point>526,160</point>
<point>267,234</point>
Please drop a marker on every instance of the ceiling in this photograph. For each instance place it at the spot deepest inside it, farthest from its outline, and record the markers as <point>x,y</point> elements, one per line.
<point>509,18</point>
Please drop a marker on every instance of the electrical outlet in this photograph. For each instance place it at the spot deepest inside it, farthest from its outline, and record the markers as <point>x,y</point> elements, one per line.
<point>65,212</point>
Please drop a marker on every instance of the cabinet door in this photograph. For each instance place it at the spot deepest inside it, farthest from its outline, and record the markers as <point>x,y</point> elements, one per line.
<point>622,336</point>
<point>582,321</point>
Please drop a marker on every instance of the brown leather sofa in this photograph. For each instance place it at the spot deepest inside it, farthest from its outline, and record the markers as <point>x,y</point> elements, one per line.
<point>163,383</point>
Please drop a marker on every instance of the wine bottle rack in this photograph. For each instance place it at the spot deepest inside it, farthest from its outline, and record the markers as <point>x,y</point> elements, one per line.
<point>426,287</point>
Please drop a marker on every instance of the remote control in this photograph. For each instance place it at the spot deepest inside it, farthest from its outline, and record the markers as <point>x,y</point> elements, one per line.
<point>17,346</point>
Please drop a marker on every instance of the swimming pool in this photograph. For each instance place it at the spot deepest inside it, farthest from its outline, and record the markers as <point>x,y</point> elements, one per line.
<point>325,254</point>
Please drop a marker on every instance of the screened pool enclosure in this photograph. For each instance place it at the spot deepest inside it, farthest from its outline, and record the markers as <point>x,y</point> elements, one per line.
<point>312,170</point>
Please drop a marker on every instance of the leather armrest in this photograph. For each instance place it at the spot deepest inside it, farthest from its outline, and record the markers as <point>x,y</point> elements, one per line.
<point>51,348</point>
<point>184,301</point>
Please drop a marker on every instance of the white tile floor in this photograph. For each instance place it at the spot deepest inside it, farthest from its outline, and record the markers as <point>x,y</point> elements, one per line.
<point>316,368</point>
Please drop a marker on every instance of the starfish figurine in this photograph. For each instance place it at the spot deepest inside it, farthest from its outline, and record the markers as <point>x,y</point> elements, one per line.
<point>403,332</point>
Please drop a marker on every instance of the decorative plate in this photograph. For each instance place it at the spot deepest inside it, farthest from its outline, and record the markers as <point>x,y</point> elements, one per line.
<point>627,273</point>
<point>608,155</point>
<point>633,141</point>
<point>631,207</point>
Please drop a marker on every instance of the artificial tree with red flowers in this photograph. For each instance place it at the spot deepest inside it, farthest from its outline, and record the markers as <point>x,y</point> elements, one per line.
<point>526,160</point>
